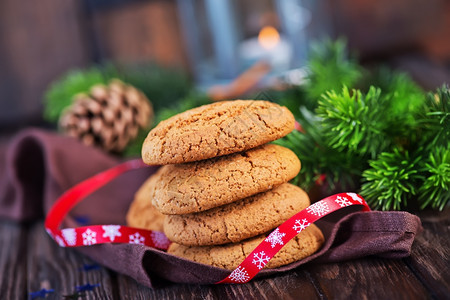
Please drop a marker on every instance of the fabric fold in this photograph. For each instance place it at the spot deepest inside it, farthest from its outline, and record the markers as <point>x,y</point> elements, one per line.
<point>37,166</point>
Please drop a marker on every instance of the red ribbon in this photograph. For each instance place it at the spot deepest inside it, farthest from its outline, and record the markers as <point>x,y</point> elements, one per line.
<point>100,234</point>
<point>279,237</point>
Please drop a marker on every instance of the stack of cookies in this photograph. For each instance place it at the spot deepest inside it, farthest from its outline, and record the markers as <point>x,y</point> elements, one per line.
<point>222,189</point>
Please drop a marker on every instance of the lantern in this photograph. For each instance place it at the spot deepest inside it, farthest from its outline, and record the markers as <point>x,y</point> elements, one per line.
<point>225,37</point>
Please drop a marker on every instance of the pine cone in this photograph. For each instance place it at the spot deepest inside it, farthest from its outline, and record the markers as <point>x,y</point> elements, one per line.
<point>109,117</point>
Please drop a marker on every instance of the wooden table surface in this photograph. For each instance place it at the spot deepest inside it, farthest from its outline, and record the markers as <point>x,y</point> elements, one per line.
<point>30,261</point>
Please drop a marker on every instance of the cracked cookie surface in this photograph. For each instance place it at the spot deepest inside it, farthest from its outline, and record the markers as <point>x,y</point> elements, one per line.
<point>216,129</point>
<point>238,220</point>
<point>202,185</point>
<point>229,256</point>
<point>142,213</point>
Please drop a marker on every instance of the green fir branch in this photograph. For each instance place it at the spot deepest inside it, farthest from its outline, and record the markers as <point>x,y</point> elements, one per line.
<point>359,134</point>
<point>60,93</point>
<point>318,159</point>
<point>292,98</point>
<point>163,86</point>
<point>404,99</point>
<point>434,192</point>
<point>133,149</point>
<point>436,118</point>
<point>354,122</point>
<point>329,68</point>
<point>391,180</point>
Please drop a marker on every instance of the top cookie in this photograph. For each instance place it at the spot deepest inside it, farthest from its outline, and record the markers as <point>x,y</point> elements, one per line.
<point>216,129</point>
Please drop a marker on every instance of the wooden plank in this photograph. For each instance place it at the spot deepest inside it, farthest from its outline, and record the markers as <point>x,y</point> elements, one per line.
<point>12,264</point>
<point>292,285</point>
<point>430,257</point>
<point>61,269</point>
<point>130,289</point>
<point>50,266</point>
<point>368,278</point>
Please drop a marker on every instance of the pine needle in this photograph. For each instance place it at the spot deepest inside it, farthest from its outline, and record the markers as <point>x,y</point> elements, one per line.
<point>355,122</point>
<point>391,180</point>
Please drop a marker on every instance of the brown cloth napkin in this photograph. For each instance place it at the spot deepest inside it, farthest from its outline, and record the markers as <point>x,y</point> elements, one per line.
<point>38,166</point>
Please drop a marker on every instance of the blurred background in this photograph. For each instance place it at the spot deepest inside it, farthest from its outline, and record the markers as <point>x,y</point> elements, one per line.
<point>213,42</point>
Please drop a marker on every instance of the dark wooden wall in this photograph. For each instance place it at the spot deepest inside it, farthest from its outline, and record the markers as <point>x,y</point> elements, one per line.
<point>384,27</point>
<point>40,40</point>
<point>141,31</point>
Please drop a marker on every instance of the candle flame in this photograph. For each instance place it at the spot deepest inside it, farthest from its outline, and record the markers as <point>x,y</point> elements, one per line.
<point>268,37</point>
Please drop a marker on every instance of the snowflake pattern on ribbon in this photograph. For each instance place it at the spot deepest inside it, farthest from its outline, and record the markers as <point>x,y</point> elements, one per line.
<point>342,201</point>
<point>239,275</point>
<point>111,231</point>
<point>136,239</point>
<point>276,237</point>
<point>319,208</point>
<point>60,241</point>
<point>260,259</point>
<point>159,239</point>
<point>242,274</point>
<point>89,237</point>
<point>70,235</point>
<point>355,197</point>
<point>49,232</point>
<point>300,225</point>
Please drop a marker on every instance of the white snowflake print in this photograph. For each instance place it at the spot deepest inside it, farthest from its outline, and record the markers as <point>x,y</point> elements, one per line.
<point>89,237</point>
<point>60,241</point>
<point>111,231</point>
<point>319,208</point>
<point>355,197</point>
<point>49,232</point>
<point>342,201</point>
<point>159,239</point>
<point>239,275</point>
<point>136,239</point>
<point>70,235</point>
<point>260,259</point>
<point>276,237</point>
<point>300,225</point>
